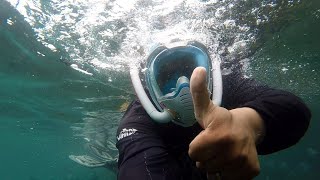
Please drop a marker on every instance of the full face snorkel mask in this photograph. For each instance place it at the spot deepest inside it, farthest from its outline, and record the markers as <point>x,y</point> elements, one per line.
<point>168,81</point>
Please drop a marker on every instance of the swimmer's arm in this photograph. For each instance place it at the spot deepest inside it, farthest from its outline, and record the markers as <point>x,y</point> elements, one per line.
<point>285,116</point>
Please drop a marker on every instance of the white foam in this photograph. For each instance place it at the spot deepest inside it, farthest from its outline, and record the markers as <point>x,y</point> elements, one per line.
<point>110,35</point>
<point>74,66</point>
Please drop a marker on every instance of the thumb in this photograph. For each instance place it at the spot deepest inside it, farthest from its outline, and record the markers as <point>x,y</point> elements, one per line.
<point>200,94</point>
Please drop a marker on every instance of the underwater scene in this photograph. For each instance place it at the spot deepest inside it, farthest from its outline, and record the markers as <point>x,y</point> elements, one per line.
<point>65,83</point>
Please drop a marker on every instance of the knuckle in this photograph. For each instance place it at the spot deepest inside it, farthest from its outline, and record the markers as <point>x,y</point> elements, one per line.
<point>242,158</point>
<point>256,170</point>
<point>228,139</point>
<point>191,151</point>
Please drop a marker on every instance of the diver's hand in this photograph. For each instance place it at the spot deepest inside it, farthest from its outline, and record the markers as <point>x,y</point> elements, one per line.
<point>227,145</point>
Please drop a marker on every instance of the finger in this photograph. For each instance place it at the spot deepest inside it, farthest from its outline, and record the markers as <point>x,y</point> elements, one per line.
<point>214,165</point>
<point>245,169</point>
<point>225,161</point>
<point>210,175</point>
<point>227,173</point>
<point>202,147</point>
<point>213,142</point>
<point>199,92</point>
<point>249,169</point>
<point>200,165</point>
<point>244,172</point>
<point>215,176</point>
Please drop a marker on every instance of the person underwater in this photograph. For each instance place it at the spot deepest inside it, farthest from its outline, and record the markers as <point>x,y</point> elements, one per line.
<point>191,122</point>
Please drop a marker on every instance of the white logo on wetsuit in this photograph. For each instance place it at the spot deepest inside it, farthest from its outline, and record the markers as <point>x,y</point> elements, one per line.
<point>125,133</point>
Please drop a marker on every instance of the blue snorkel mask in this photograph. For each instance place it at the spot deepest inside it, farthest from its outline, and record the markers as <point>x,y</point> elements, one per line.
<point>168,80</point>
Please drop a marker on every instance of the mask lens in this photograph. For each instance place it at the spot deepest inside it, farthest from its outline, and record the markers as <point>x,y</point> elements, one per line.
<point>170,69</point>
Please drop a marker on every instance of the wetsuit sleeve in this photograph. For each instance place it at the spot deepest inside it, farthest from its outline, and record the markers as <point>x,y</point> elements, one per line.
<point>286,117</point>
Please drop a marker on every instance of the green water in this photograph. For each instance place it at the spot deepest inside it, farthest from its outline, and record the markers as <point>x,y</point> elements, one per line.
<point>43,101</point>
<point>291,60</point>
<point>38,106</point>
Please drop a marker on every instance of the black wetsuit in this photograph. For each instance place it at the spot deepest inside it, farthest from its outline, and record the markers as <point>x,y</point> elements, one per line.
<point>148,150</point>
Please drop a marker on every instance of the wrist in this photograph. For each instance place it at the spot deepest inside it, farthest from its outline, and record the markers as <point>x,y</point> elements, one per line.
<point>252,120</point>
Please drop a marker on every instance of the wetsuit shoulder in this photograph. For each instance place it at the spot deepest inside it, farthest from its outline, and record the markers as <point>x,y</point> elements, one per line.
<point>136,117</point>
<point>286,116</point>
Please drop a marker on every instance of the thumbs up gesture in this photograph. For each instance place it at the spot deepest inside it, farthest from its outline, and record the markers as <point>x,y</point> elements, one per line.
<point>227,144</point>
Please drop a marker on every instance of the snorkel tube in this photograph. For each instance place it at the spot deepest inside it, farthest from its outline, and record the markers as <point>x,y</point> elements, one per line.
<point>160,117</point>
<point>162,114</point>
<point>217,83</point>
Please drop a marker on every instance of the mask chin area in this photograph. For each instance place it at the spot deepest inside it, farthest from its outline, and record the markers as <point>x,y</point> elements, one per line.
<point>179,103</point>
<point>182,82</point>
